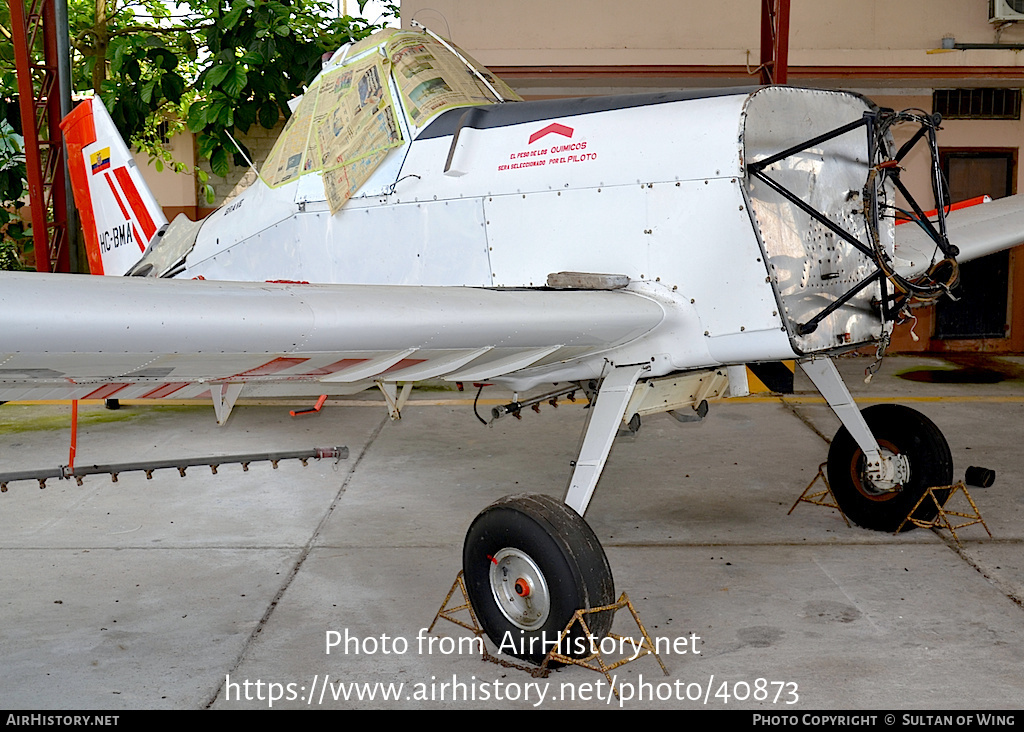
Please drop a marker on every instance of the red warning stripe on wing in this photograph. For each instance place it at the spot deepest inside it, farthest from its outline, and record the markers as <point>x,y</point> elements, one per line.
<point>333,368</point>
<point>275,366</point>
<point>270,367</point>
<point>404,364</point>
<point>106,391</point>
<point>165,390</point>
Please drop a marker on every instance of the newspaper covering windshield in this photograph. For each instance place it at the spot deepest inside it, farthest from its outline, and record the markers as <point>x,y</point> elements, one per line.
<point>432,79</point>
<point>344,126</point>
<point>355,126</point>
<point>287,160</point>
<point>346,122</point>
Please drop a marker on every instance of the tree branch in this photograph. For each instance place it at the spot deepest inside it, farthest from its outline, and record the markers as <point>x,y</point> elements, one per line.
<point>79,39</point>
<point>151,29</point>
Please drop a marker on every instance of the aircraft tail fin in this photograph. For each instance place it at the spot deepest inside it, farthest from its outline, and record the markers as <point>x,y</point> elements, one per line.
<point>120,215</point>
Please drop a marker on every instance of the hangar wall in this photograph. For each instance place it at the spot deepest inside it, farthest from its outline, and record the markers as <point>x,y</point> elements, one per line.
<point>869,33</point>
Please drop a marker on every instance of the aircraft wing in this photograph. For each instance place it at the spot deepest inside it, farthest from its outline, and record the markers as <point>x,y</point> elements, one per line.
<point>82,337</point>
<point>976,231</point>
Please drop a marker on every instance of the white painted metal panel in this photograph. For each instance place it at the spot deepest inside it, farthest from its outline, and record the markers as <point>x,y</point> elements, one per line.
<point>693,237</point>
<point>428,243</point>
<point>682,140</point>
<point>532,235</point>
<point>702,241</point>
<point>373,366</point>
<point>241,219</point>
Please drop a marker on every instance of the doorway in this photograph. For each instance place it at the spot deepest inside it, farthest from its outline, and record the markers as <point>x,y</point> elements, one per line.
<point>981,311</point>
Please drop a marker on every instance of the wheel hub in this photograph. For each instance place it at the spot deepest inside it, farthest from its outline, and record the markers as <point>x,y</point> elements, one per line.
<point>887,478</point>
<point>519,589</point>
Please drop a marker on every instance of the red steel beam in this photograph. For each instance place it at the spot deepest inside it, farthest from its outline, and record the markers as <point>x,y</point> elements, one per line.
<point>39,98</point>
<point>774,41</point>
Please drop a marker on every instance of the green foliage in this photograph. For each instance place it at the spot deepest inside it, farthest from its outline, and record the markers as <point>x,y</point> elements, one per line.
<point>215,66</point>
<point>14,234</point>
<point>262,53</point>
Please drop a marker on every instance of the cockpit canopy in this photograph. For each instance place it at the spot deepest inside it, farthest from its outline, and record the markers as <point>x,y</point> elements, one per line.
<point>348,119</point>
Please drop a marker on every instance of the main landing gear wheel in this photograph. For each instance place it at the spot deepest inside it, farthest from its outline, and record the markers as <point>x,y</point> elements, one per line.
<point>529,563</point>
<point>899,430</point>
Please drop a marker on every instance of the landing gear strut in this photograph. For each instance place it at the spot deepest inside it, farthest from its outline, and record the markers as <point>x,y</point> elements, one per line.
<point>531,561</point>
<point>903,434</point>
<point>883,458</point>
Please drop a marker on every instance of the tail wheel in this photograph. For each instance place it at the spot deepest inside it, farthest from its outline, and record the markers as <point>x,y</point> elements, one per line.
<point>530,562</point>
<point>902,431</point>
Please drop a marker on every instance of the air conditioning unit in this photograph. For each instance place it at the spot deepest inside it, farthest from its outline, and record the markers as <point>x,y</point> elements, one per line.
<point>1005,11</point>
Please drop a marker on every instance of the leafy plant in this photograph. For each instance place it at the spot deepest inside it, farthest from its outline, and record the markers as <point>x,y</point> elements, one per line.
<point>217,66</point>
<point>213,66</point>
<point>14,234</point>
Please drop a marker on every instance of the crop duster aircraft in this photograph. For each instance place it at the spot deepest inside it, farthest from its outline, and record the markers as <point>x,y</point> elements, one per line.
<point>416,220</point>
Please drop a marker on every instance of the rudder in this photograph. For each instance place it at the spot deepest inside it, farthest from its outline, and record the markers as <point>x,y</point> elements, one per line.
<point>120,215</point>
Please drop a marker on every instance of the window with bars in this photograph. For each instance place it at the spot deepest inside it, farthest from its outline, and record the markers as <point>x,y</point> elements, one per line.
<point>994,103</point>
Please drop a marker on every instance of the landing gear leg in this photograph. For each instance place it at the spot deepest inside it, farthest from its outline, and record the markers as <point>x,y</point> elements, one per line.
<point>602,426</point>
<point>531,561</point>
<point>883,459</point>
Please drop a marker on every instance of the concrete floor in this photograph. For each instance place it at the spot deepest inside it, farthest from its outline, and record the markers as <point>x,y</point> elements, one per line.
<point>173,593</point>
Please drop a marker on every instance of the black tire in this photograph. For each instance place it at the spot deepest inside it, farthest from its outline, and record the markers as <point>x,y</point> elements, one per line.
<point>899,430</point>
<point>566,558</point>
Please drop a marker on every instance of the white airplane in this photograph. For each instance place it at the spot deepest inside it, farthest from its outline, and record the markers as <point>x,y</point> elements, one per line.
<point>416,221</point>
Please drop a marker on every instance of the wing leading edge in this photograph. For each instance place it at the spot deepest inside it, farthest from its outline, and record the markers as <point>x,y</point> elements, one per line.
<point>81,337</point>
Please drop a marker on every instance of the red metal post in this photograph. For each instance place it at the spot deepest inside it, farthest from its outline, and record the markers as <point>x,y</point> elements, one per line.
<point>38,92</point>
<point>774,41</point>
